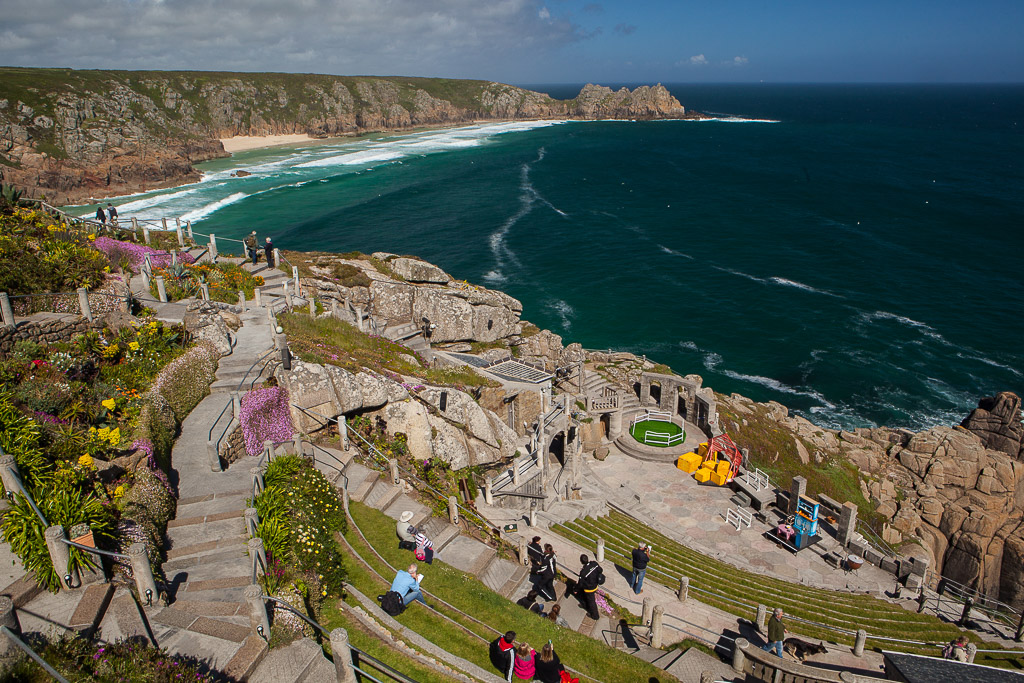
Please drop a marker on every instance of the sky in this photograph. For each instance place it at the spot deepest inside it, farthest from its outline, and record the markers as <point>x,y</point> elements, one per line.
<point>532,41</point>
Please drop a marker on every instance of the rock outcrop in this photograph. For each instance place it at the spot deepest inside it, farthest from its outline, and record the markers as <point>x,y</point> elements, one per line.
<point>997,421</point>
<point>79,134</point>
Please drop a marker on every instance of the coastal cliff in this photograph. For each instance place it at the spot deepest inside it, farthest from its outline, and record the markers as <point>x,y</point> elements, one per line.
<point>73,135</point>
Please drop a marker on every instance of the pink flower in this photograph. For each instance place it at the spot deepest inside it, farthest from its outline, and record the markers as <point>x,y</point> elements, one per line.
<point>265,417</point>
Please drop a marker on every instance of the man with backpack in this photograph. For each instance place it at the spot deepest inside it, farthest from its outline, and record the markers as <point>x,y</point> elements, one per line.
<point>591,576</point>
<point>407,585</point>
<point>502,654</point>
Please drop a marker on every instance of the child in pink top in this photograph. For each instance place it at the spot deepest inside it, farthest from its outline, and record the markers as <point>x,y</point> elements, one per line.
<point>524,667</point>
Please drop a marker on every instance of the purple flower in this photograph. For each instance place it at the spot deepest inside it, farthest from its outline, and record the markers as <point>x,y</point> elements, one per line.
<point>265,417</point>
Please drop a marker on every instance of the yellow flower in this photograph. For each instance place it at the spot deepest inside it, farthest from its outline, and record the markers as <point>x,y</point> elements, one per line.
<point>109,404</point>
<point>106,269</point>
<point>115,436</point>
<point>134,346</point>
<point>85,460</point>
<point>92,236</point>
<point>119,491</point>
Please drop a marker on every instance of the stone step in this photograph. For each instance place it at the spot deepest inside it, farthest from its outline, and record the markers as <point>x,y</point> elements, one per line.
<point>197,566</point>
<point>212,504</point>
<point>467,554</point>
<point>663,660</point>
<point>301,661</point>
<point>358,492</point>
<point>191,532</point>
<point>512,585</point>
<point>497,573</point>
<point>91,608</point>
<point>126,619</point>
<point>601,629</point>
<point>382,494</point>
<point>178,552</point>
<point>233,628</point>
<point>244,662</point>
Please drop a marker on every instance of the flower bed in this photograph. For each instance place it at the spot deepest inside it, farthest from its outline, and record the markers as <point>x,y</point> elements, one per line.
<point>265,417</point>
<point>224,281</point>
<point>131,257</point>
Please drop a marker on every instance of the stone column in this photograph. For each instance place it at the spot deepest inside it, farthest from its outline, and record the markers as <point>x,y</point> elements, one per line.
<point>161,290</point>
<point>515,473</point>
<point>188,228</point>
<point>252,521</point>
<point>858,645</point>
<point>258,618</point>
<point>213,248</point>
<point>295,276</point>
<point>796,489</point>
<point>145,234</point>
<point>143,573</point>
<point>393,465</point>
<point>684,588</point>
<point>257,480</point>
<point>762,613</point>
<point>241,300</point>
<point>8,618</point>
<point>203,287</point>
<point>453,510</point>
<point>277,257</point>
<point>972,651</point>
<point>258,293</point>
<point>965,616</point>
<point>5,310</point>
<point>847,524</point>
<point>287,296</point>
<point>739,654</point>
<point>343,428</point>
<point>312,307</point>
<point>599,553</point>
<point>657,627</point>
<point>259,554</point>
<point>9,473</point>
<point>533,513</point>
<point>83,303</point>
<point>647,611</point>
<point>342,655</point>
<point>163,222</point>
<point>488,492</point>
<point>615,424</point>
<point>177,229</point>
<point>60,556</point>
<point>135,225</point>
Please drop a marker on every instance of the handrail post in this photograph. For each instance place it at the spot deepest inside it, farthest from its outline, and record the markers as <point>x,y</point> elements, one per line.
<point>258,618</point>
<point>60,555</point>
<point>343,428</point>
<point>268,450</point>
<point>161,289</point>
<point>177,229</point>
<point>524,554</point>
<point>395,479</point>
<point>5,310</point>
<point>135,225</point>
<point>287,295</point>
<point>145,234</point>
<point>277,257</point>
<point>252,521</point>
<point>163,222</point>
<point>8,618</point>
<point>312,306</point>
<point>657,627</point>
<point>258,555</point>
<point>599,554</point>
<point>453,510</point>
<point>295,276</point>
<point>488,492</point>
<point>9,472</point>
<point>204,288</point>
<point>858,645</point>
<point>236,405</point>
<point>739,654</point>
<point>188,229</point>
<point>257,480</point>
<point>762,612</point>
<point>342,654</point>
<point>241,300</point>
<point>83,303</point>
<point>213,248</point>
<point>647,611</point>
<point>684,588</point>
<point>213,456</point>
<point>297,441</point>
<point>258,292</point>
<point>143,573</point>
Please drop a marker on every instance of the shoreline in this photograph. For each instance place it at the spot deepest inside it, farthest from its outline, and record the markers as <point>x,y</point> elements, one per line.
<point>243,143</point>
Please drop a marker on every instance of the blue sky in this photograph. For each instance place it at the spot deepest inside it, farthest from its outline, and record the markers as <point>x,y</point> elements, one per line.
<point>532,41</point>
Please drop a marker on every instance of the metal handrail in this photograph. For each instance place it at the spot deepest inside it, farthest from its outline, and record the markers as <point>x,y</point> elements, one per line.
<point>31,653</point>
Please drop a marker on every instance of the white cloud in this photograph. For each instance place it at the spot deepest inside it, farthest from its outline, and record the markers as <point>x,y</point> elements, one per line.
<point>698,60</point>
<point>454,38</point>
<point>739,61</point>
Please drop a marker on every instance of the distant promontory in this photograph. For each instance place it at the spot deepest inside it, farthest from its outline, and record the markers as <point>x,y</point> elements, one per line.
<point>72,135</point>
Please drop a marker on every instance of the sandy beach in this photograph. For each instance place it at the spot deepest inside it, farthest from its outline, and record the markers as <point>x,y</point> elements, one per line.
<point>241,143</point>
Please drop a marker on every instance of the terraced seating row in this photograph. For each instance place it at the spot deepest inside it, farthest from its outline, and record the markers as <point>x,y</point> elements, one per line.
<point>834,615</point>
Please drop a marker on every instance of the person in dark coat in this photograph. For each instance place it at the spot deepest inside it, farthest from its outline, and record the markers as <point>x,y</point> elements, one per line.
<point>529,601</point>
<point>100,216</point>
<point>268,251</point>
<point>252,246</point>
<point>536,554</point>
<point>641,556</point>
<point>502,654</point>
<point>591,576</point>
<point>112,213</point>
<point>546,573</point>
<point>547,667</point>
<point>776,633</point>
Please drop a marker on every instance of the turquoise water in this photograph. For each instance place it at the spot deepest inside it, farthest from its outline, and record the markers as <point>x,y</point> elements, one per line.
<point>855,253</point>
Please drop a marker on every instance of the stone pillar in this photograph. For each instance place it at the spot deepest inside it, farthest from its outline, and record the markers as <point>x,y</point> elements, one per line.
<point>177,229</point>
<point>143,574</point>
<point>188,228</point>
<point>60,556</point>
<point>8,618</point>
<point>5,310</point>
<point>174,258</point>
<point>257,479</point>
<point>1020,626</point>
<point>847,524</point>
<point>295,276</point>
<point>297,444</point>
<point>258,554</point>
<point>599,553</point>
<point>268,449</point>
<point>488,492</point>
<point>258,294</point>
<point>312,307</point>
<point>453,510</point>
<point>541,444</point>
<point>9,473</point>
<point>739,654</point>
<point>395,479</point>
<point>252,521</point>
<point>972,651</point>
<point>287,296</point>
<point>657,627</point>
<point>241,300</point>
<point>342,655</point>
<point>858,645</point>
<point>83,303</point>
<point>524,554</point>
<point>684,588</point>
<point>615,424</point>
<point>576,463</point>
<point>515,473</point>
<point>161,290</point>
<point>647,611</point>
<point>135,225</point>
<point>343,428</point>
<point>145,279</point>
<point>796,489</point>
<point>965,616</point>
<point>205,289</point>
<point>258,618</point>
<point>145,234</point>
<point>762,613</point>
<point>213,248</point>
<point>163,222</point>
<point>147,263</point>
<point>277,257</point>
<point>533,513</point>
<point>359,318</point>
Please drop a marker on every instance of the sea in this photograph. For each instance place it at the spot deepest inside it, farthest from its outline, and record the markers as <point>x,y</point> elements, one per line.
<point>855,252</point>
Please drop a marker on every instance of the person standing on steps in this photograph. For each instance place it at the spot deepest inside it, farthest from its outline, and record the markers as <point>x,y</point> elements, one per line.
<point>112,214</point>
<point>776,633</point>
<point>252,246</point>
<point>100,216</point>
<point>407,584</point>
<point>641,556</point>
<point>546,573</point>
<point>268,251</point>
<point>591,576</point>
<point>536,554</point>
<point>502,656</point>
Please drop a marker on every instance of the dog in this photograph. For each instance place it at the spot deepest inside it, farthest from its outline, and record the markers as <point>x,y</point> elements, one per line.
<point>801,649</point>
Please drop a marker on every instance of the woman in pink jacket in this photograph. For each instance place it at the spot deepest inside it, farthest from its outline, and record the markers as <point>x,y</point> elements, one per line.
<point>524,668</point>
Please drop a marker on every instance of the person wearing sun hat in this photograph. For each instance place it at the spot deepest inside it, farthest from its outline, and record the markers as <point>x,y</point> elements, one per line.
<point>405,530</point>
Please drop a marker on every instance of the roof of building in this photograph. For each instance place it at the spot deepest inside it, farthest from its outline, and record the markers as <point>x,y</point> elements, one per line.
<point>920,669</point>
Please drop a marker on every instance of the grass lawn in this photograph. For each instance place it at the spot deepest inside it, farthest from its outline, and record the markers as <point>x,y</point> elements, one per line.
<point>470,596</point>
<point>640,429</point>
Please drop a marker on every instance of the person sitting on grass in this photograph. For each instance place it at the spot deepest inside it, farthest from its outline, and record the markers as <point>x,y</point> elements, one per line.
<point>424,548</point>
<point>502,654</point>
<point>405,531</point>
<point>524,667</point>
<point>555,615</point>
<point>547,667</point>
<point>407,584</point>
<point>529,601</point>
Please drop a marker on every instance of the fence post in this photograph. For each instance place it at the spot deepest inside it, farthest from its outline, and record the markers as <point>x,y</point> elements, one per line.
<point>147,263</point>
<point>295,276</point>
<point>252,521</point>
<point>268,450</point>
<point>213,248</point>
<point>393,464</point>
<point>600,550</point>
<point>9,472</point>
<point>257,480</point>
<point>177,229</point>
<point>145,234</point>
<point>489,499</point>
<point>312,307</point>
<point>188,229</point>
<point>143,573</point>
<point>213,456</point>
<point>762,612</point>
<point>342,655</point>
<point>145,279</point>
<point>60,555</point>
<point>657,628</point>
<point>241,300</point>
<point>163,222</point>
<point>966,614</point>
<point>6,310</point>
<point>972,651</point>
<point>8,618</point>
<point>858,645</point>
<point>524,554</point>
<point>83,303</point>
<point>922,600</point>
<point>684,588</point>
<point>739,654</point>
<point>533,513</point>
<point>236,404</point>
<point>647,611</point>
<point>453,510</point>
<point>135,225</point>
<point>1020,628</point>
<point>287,296</point>
<point>161,289</point>
<point>258,291</point>
<point>297,442</point>
<point>281,343</point>
<point>515,474</point>
<point>174,258</point>
<point>343,428</point>
<point>258,554</point>
<point>204,288</point>
<point>359,317</point>
<point>258,618</point>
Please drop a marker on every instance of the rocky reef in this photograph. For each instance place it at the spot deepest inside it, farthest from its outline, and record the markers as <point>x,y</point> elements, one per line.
<point>73,135</point>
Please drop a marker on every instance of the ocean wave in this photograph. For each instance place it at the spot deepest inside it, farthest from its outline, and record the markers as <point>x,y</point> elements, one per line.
<point>152,201</point>
<point>563,310</point>
<point>669,250</point>
<point>713,362</point>
<point>924,328</point>
<point>204,211</point>
<point>799,285</point>
<point>366,156</point>
<point>736,119</point>
<point>497,239</point>
<point>689,345</point>
<point>989,361</point>
<point>739,273</point>
<point>495,276</point>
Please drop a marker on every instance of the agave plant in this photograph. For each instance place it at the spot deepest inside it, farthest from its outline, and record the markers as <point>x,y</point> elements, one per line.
<point>10,195</point>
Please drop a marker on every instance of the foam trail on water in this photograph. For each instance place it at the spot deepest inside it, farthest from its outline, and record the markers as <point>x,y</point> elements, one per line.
<point>564,311</point>
<point>712,361</point>
<point>799,285</point>
<point>204,211</point>
<point>669,250</point>
<point>495,276</point>
<point>527,197</point>
<point>740,273</point>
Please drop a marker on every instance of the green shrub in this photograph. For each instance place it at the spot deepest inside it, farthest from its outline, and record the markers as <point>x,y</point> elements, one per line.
<point>348,275</point>
<point>186,380</point>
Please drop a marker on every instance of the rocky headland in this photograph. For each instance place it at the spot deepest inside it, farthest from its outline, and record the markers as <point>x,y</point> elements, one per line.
<point>954,494</point>
<point>74,135</point>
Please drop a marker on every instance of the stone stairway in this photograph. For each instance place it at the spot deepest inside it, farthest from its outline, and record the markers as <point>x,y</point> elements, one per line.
<point>410,335</point>
<point>594,385</point>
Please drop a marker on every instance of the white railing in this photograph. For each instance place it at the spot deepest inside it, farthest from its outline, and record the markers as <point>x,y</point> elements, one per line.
<point>739,517</point>
<point>652,415</point>
<point>757,480</point>
<point>664,438</point>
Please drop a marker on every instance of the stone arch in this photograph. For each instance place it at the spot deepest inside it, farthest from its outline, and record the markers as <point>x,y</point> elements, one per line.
<point>655,391</point>
<point>557,447</point>
<point>606,425</point>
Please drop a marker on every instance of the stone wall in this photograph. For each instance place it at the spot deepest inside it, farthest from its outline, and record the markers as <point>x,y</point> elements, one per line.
<point>47,328</point>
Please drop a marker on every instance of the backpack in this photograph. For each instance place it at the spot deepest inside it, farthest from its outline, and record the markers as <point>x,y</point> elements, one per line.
<point>392,603</point>
<point>948,652</point>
